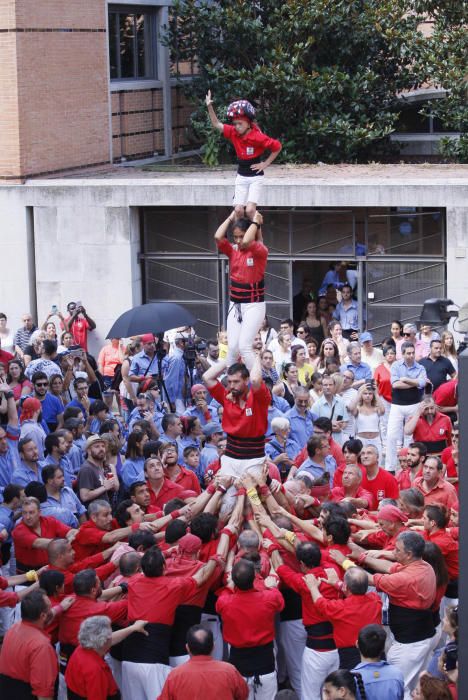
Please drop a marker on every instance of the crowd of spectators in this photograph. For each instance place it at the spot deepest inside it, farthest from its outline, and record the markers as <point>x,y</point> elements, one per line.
<point>334,574</point>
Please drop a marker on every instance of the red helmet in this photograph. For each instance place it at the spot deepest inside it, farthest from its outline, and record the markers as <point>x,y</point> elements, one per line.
<point>241,109</point>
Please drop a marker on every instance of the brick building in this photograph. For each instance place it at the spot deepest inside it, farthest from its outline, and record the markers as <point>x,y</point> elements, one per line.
<point>85,83</point>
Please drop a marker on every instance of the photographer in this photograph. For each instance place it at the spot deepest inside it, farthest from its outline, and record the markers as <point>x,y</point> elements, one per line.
<point>79,323</point>
<point>368,407</point>
<point>174,374</point>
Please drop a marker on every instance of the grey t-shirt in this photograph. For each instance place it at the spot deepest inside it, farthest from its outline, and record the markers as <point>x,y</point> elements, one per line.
<point>91,477</point>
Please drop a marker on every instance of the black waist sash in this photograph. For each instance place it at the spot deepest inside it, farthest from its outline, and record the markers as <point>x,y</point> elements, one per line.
<point>349,657</point>
<point>74,696</point>
<point>151,649</point>
<point>243,166</point>
<point>409,625</point>
<point>435,446</point>
<point>253,661</point>
<point>66,650</point>
<point>452,589</point>
<point>185,617</point>
<point>292,605</point>
<point>246,292</point>
<point>320,636</point>
<point>245,447</point>
<point>13,688</point>
<point>436,617</point>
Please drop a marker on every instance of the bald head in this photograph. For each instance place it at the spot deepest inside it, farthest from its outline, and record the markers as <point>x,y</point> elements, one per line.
<point>356,581</point>
<point>249,541</point>
<point>57,549</point>
<point>199,641</point>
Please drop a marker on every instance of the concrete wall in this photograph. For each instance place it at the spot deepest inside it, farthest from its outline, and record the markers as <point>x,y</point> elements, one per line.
<point>86,232</point>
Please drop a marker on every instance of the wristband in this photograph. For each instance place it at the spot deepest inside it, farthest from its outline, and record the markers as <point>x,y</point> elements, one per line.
<point>254,223</point>
<point>221,488</point>
<point>8,395</point>
<point>273,548</point>
<point>123,586</point>
<point>226,531</point>
<point>211,489</point>
<point>31,576</point>
<point>242,491</point>
<point>175,514</point>
<point>264,490</point>
<point>253,497</point>
<point>362,558</point>
<point>347,564</point>
<point>268,480</point>
<point>290,537</point>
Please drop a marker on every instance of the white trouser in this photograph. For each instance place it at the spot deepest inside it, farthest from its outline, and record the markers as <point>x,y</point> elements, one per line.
<point>143,681</point>
<point>410,659</point>
<point>241,334</point>
<point>384,422</point>
<point>265,690</point>
<point>116,668</point>
<point>291,642</point>
<point>236,468</point>
<point>212,622</point>
<point>247,189</point>
<point>175,661</point>
<point>395,436</point>
<point>316,665</point>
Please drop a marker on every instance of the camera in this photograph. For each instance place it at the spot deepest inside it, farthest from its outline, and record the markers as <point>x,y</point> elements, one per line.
<point>192,349</point>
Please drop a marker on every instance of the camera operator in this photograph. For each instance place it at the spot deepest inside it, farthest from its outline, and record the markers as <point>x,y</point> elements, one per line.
<point>174,374</point>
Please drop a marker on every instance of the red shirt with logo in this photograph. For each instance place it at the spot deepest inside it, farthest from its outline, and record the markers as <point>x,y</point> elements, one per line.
<point>384,485</point>
<point>252,144</point>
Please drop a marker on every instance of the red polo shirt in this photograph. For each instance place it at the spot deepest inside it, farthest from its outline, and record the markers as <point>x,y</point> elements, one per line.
<point>384,383</point>
<point>88,540</point>
<point>203,677</point>
<point>8,599</point>
<point>444,395</point>
<point>449,548</point>
<point>249,616</point>
<point>23,537</point>
<point>83,608</point>
<point>187,480</point>
<point>103,570</point>
<point>310,614</point>
<point>349,615</point>
<point>249,421</point>
<point>167,492</point>
<point>384,485</point>
<point>27,655</point>
<point>251,144</point>
<point>411,586</point>
<point>442,494</point>
<point>338,493</point>
<point>436,435</point>
<point>89,676</point>
<point>379,540</point>
<point>240,267</point>
<point>156,599</point>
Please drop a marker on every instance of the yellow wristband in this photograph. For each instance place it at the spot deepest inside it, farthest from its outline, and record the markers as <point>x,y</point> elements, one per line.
<point>347,564</point>
<point>31,576</point>
<point>290,537</point>
<point>254,499</point>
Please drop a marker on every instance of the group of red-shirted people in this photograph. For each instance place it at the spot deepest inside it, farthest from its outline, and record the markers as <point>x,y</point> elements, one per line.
<point>286,528</point>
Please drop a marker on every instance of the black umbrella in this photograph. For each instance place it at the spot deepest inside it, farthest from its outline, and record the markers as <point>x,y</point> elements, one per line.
<point>151,318</point>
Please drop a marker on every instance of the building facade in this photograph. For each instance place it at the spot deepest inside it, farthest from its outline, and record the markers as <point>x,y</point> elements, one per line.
<point>114,242</point>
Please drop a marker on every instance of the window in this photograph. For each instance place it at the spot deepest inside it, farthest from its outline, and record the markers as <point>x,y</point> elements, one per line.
<point>132,43</point>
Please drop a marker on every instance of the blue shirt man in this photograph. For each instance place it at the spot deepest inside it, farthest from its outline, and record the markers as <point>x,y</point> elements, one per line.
<point>382,681</point>
<point>175,375</point>
<point>362,371</point>
<point>65,465</point>
<point>145,363</point>
<point>26,473</point>
<point>319,460</point>
<point>9,457</point>
<point>301,419</point>
<point>407,394</point>
<point>346,311</point>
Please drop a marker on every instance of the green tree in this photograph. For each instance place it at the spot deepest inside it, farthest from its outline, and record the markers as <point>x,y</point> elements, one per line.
<point>445,64</point>
<point>324,75</point>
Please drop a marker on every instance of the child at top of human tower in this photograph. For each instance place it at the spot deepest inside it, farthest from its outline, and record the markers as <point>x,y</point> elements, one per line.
<point>250,144</point>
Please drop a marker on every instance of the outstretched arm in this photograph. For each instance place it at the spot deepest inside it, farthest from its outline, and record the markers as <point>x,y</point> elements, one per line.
<point>216,124</point>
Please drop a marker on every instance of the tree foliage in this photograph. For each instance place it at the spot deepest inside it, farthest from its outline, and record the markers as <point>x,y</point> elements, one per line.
<point>324,75</point>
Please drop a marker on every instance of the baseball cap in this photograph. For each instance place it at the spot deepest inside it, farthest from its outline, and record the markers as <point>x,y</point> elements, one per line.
<point>147,338</point>
<point>197,387</point>
<point>92,440</point>
<point>211,428</point>
<point>365,337</point>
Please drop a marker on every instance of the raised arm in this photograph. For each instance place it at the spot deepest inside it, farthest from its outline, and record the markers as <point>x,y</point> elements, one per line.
<point>222,229</point>
<point>215,123</point>
<point>412,421</point>
<point>211,375</point>
<point>251,234</point>
<point>12,413</point>
<point>256,378</point>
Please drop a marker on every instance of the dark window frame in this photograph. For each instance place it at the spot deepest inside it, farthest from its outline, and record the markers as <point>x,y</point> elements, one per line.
<point>150,41</point>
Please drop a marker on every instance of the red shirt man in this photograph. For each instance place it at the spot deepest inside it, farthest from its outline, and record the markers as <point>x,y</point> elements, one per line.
<point>434,521</point>
<point>33,534</point>
<point>433,429</point>
<point>432,485</point>
<point>379,482</point>
<point>87,673</point>
<point>62,558</point>
<point>202,676</point>
<point>175,472</point>
<point>27,656</point>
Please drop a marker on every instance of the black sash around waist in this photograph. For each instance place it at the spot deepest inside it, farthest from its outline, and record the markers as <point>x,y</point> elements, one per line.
<point>22,568</point>
<point>246,292</point>
<point>320,636</point>
<point>349,657</point>
<point>185,617</point>
<point>253,661</point>
<point>434,446</point>
<point>243,166</point>
<point>292,605</point>
<point>13,688</point>
<point>436,617</point>
<point>151,649</point>
<point>452,589</point>
<point>74,696</point>
<point>245,447</point>
<point>66,650</point>
<point>5,551</point>
<point>409,625</point>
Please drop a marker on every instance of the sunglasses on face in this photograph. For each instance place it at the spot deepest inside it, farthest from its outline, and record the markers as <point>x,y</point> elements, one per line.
<point>41,384</point>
